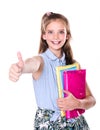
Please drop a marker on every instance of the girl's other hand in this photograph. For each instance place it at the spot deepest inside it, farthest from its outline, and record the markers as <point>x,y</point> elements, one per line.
<point>69,102</point>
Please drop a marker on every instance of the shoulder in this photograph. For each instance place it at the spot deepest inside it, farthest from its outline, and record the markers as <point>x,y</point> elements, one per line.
<point>77,63</point>
<point>38,61</point>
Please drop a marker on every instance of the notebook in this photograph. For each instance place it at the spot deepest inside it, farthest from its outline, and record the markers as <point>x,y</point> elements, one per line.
<point>75,82</point>
<point>59,74</point>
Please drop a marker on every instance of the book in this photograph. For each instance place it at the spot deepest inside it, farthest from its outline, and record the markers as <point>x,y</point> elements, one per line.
<point>59,74</point>
<point>75,82</point>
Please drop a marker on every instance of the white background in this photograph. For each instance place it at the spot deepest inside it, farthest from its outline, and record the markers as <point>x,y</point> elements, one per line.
<point>20,31</point>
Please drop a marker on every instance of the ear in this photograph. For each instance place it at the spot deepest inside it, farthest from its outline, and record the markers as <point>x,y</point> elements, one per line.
<point>67,37</point>
<point>44,36</point>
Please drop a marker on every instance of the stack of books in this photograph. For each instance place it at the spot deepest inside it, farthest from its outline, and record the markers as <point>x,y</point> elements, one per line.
<point>73,79</point>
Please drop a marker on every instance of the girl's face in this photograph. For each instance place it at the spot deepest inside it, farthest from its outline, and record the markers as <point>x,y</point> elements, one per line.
<point>55,35</point>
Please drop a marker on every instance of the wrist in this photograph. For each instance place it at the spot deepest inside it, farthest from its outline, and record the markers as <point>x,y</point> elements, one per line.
<point>80,104</point>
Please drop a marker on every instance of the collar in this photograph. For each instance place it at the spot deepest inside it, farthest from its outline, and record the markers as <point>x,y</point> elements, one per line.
<point>51,56</point>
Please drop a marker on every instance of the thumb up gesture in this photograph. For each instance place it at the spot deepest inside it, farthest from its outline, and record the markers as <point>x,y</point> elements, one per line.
<point>16,69</point>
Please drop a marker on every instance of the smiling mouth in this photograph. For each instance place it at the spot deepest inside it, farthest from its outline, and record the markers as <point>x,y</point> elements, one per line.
<point>56,42</point>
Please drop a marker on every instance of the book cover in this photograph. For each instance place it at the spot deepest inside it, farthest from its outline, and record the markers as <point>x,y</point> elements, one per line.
<point>75,82</point>
<point>59,74</point>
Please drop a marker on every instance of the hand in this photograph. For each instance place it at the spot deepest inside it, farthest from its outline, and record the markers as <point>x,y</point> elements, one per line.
<point>68,103</point>
<point>16,69</point>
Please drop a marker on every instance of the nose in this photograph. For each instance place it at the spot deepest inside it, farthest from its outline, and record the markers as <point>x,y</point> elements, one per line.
<point>56,36</point>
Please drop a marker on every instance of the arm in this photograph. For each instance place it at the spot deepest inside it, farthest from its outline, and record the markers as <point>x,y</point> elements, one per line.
<point>85,103</point>
<point>71,102</point>
<point>31,65</point>
<point>89,101</point>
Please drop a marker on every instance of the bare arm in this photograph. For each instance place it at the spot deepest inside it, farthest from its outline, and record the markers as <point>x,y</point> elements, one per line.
<point>31,65</point>
<point>89,101</point>
<point>71,102</point>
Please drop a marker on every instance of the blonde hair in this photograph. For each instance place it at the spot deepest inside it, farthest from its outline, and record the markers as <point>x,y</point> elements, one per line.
<point>46,20</point>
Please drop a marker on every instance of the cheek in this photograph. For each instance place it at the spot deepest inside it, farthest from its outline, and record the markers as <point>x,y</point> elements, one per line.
<point>64,38</point>
<point>49,37</point>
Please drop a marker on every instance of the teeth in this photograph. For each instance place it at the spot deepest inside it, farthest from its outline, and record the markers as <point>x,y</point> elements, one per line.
<point>55,42</point>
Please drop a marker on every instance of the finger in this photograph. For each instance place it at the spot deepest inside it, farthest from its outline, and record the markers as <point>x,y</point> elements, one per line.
<point>14,69</point>
<point>19,56</point>
<point>20,60</point>
<point>66,92</point>
<point>12,78</point>
<point>13,74</point>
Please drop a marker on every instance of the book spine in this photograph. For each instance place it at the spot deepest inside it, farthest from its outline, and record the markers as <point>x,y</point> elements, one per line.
<point>59,90</point>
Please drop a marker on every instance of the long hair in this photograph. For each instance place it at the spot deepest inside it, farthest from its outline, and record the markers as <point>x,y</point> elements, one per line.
<point>47,19</point>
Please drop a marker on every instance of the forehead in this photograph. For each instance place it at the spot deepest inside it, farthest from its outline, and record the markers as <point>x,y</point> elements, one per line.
<point>56,23</point>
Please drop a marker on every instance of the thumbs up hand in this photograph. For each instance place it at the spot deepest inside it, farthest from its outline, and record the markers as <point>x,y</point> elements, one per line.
<point>16,69</point>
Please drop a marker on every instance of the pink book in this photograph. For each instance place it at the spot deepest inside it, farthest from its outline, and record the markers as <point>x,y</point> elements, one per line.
<point>75,82</point>
<point>59,74</point>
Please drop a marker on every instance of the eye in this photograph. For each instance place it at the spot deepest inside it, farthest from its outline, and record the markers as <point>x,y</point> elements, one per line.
<point>61,32</point>
<point>50,32</point>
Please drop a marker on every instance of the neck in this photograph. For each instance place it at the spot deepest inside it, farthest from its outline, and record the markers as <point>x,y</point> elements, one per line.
<point>57,53</point>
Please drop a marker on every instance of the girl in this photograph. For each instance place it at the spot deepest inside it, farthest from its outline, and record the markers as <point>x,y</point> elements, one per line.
<point>54,50</point>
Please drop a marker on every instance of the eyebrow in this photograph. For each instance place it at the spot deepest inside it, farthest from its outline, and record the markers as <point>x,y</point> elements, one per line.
<point>53,29</point>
